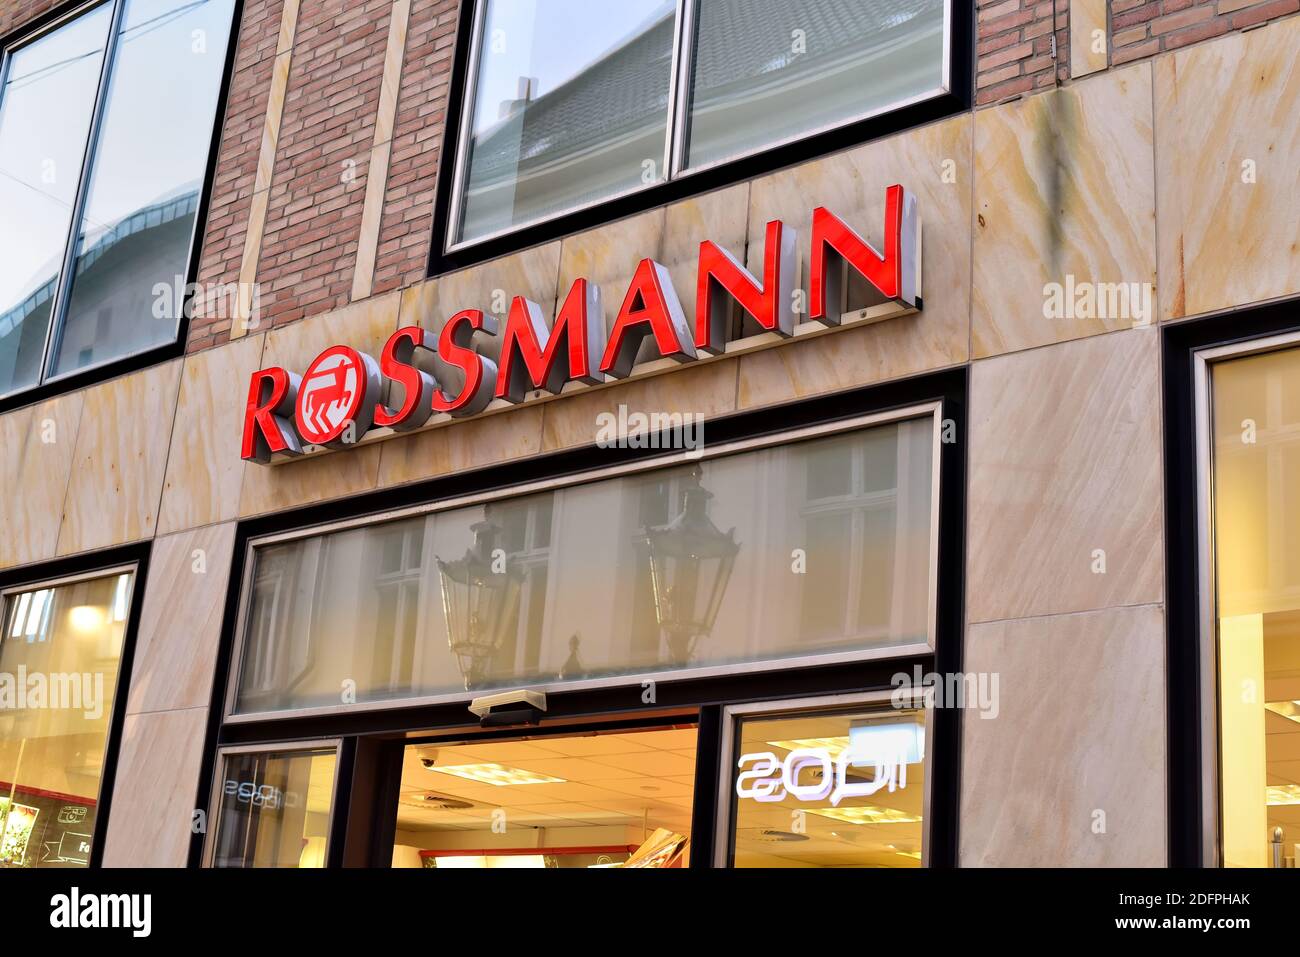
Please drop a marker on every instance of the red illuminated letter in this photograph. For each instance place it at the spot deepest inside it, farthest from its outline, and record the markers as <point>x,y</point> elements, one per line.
<point>650,308</point>
<point>771,305</point>
<point>268,421</point>
<point>894,275</point>
<point>455,348</point>
<point>578,331</point>
<point>397,362</point>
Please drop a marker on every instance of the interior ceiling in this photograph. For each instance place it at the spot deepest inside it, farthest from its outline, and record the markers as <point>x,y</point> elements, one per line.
<point>623,779</point>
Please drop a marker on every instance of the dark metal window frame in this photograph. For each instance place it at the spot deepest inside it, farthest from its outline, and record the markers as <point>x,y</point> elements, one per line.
<point>49,386</point>
<point>444,259</point>
<point>365,801</point>
<point>82,566</point>
<point>1187,686</point>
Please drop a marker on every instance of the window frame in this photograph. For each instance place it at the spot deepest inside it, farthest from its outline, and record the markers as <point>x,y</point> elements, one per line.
<point>132,558</point>
<point>49,383</point>
<point>932,409</point>
<point>216,805</point>
<point>447,251</point>
<point>1204,360</point>
<point>733,714</point>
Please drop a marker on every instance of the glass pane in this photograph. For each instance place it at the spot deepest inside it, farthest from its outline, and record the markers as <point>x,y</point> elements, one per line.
<point>737,559</point>
<point>40,166</point>
<point>274,809</point>
<point>563,114</point>
<point>598,800</point>
<point>768,70</point>
<point>830,790</point>
<point>1257,566</point>
<point>147,174</point>
<point>59,655</point>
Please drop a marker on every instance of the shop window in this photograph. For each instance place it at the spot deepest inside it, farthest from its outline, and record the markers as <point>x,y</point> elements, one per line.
<point>558,117</point>
<point>796,552</point>
<point>825,787</point>
<point>1256,561</point>
<point>60,651</point>
<point>105,121</point>
<point>273,807</point>
<point>618,799</point>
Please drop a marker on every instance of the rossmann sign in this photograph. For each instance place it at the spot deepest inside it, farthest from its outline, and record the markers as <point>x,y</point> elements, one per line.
<point>339,401</point>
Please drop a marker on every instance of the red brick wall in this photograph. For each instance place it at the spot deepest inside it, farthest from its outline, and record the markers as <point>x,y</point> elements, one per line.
<point>405,232</point>
<point>322,157</point>
<point>1014,47</point>
<point>1142,28</point>
<point>236,171</point>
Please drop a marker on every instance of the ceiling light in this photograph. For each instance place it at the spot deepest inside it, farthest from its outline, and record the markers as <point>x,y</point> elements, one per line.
<point>1283,794</point>
<point>86,619</point>
<point>867,815</point>
<point>1287,709</point>
<point>496,774</point>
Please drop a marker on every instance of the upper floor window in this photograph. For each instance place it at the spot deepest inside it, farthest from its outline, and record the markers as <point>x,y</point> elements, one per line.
<point>105,125</point>
<point>571,103</point>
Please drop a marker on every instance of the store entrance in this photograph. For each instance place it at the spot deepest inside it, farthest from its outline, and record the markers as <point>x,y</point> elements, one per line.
<point>602,799</point>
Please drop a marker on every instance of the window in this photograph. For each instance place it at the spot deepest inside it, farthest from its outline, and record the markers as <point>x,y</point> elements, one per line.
<point>559,117</point>
<point>825,786</point>
<point>60,651</point>
<point>273,807</point>
<point>105,123</point>
<point>793,551</point>
<point>617,799</point>
<point>1255,448</point>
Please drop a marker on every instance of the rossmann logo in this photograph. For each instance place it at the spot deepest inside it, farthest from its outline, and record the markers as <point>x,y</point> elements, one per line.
<point>339,398</point>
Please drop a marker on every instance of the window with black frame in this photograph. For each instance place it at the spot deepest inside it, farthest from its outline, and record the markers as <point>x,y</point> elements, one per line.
<point>556,118</point>
<point>105,123</point>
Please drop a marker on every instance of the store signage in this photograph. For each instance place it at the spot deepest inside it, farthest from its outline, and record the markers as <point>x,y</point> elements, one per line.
<point>765,777</point>
<point>337,400</point>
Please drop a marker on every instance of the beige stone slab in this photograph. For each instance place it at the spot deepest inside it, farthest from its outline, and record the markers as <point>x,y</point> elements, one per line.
<point>288,26</point>
<point>1228,148</point>
<point>471,444</point>
<point>1064,187</point>
<point>372,212</point>
<point>392,78</point>
<point>156,788</point>
<point>120,460</point>
<point>722,216</point>
<point>180,623</point>
<point>1065,462</point>
<point>708,390</point>
<point>933,162</point>
<point>489,286</point>
<point>1071,771</point>
<point>36,450</point>
<point>204,468</point>
<point>1089,36</point>
<point>364,325</point>
<point>608,256</point>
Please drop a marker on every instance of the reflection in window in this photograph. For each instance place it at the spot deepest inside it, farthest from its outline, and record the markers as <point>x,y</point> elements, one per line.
<point>770,70</point>
<point>60,650</point>
<point>1256,455</point>
<point>815,547</point>
<point>273,809</point>
<point>138,194</point>
<point>572,99</point>
<point>570,107</point>
<point>829,790</point>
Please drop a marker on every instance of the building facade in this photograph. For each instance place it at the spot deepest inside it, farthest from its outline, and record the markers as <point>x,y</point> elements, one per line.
<point>672,433</point>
